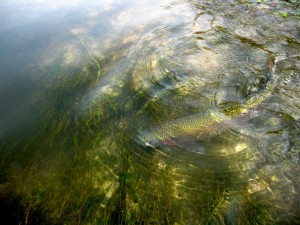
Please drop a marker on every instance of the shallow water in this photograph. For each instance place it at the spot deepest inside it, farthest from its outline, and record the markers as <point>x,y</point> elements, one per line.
<point>149,112</point>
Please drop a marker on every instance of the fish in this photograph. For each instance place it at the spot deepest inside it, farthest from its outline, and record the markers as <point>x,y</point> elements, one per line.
<point>200,124</point>
<point>208,122</point>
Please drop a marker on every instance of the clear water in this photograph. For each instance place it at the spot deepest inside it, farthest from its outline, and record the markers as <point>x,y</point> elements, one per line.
<point>149,112</point>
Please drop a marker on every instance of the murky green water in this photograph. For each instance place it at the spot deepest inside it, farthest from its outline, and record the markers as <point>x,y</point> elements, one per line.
<point>150,112</point>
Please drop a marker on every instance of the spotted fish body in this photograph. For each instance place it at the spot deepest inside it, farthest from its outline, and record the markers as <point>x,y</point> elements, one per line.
<point>203,123</point>
<point>199,124</point>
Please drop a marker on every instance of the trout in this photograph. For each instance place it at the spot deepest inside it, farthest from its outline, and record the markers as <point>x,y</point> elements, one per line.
<point>199,123</point>
<point>204,123</point>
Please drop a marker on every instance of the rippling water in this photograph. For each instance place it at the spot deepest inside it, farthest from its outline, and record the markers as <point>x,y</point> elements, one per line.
<point>149,112</point>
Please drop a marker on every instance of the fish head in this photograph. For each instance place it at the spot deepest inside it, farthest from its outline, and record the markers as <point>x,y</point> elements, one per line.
<point>148,144</point>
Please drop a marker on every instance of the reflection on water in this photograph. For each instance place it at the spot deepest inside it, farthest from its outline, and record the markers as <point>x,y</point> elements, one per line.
<point>155,112</point>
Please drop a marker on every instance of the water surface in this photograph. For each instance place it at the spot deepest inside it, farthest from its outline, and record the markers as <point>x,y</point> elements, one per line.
<point>149,112</point>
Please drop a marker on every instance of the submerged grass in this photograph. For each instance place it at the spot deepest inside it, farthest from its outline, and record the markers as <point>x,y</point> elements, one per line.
<point>78,165</point>
<point>82,167</point>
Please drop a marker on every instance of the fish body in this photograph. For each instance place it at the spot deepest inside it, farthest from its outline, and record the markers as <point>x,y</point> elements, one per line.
<point>196,124</point>
<point>208,122</point>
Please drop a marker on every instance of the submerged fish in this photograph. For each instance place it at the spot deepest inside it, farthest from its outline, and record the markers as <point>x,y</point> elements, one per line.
<point>199,124</point>
<point>204,123</point>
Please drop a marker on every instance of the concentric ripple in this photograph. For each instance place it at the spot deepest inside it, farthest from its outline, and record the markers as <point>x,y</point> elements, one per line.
<point>206,151</point>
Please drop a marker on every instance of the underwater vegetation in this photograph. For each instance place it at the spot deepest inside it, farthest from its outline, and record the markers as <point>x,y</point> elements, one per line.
<point>194,120</point>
